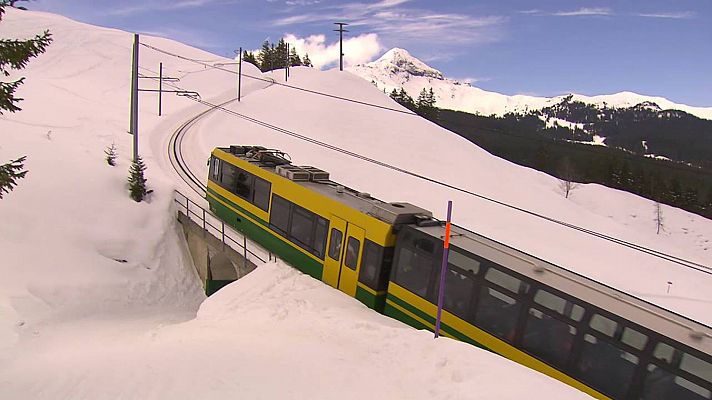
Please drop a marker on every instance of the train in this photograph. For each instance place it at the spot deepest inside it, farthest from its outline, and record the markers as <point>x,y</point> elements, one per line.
<point>387,255</point>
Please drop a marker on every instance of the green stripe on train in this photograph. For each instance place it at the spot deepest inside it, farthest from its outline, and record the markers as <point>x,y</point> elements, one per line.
<point>266,239</point>
<point>376,302</point>
<point>394,312</point>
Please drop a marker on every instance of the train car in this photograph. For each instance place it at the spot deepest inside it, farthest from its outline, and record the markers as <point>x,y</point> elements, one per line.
<point>584,333</point>
<point>333,233</point>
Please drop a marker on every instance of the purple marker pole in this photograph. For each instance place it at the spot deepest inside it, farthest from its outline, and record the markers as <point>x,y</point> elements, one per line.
<point>443,269</point>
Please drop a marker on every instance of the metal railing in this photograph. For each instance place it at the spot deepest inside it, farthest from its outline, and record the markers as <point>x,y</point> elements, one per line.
<point>216,227</point>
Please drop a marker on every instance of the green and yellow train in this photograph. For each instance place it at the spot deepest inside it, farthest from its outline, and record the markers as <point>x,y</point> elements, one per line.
<point>387,255</point>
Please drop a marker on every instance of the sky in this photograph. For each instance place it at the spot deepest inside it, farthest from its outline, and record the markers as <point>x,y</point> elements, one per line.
<point>542,48</point>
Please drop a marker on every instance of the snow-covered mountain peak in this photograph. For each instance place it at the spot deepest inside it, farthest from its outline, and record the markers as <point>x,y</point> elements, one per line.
<point>397,61</point>
<point>397,69</point>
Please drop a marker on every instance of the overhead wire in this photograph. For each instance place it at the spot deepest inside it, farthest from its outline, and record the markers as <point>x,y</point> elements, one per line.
<point>667,257</point>
<point>329,95</point>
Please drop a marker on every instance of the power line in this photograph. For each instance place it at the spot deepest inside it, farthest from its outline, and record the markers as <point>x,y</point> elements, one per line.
<point>655,253</point>
<point>333,96</point>
<point>643,249</point>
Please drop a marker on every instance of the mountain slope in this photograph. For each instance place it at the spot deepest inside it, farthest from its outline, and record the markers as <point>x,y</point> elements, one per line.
<point>98,298</point>
<point>397,68</point>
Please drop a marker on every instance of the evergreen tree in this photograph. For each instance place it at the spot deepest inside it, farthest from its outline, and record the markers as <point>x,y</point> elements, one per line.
<point>14,54</point>
<point>250,58</point>
<point>426,104</point>
<point>137,182</point>
<point>111,155</point>
<point>280,55</point>
<point>307,62</point>
<point>10,173</point>
<point>264,57</point>
<point>294,60</point>
<point>403,99</point>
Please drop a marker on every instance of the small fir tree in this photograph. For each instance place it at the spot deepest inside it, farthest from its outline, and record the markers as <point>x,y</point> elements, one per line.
<point>250,58</point>
<point>111,155</point>
<point>306,61</point>
<point>294,59</point>
<point>10,173</point>
<point>137,182</point>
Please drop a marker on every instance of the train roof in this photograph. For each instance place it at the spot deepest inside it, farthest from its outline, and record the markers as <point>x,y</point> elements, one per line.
<point>678,327</point>
<point>276,162</point>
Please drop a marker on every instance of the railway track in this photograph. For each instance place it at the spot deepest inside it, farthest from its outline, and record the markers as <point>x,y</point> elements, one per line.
<point>175,151</point>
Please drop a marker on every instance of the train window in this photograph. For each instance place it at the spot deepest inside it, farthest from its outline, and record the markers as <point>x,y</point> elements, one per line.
<point>335,244</point>
<point>463,262</point>
<point>604,325</point>
<point>497,313</point>
<point>605,367</point>
<point>302,228</point>
<point>216,168</point>
<point>559,304</point>
<point>634,338</point>
<point>548,338</point>
<point>664,352</point>
<point>458,292</point>
<point>661,384</point>
<point>243,184</point>
<point>413,270</point>
<point>695,366</point>
<point>262,191</point>
<point>279,217</point>
<point>352,248</point>
<point>506,281</point>
<point>228,178</point>
<point>370,264</point>
<point>322,226</point>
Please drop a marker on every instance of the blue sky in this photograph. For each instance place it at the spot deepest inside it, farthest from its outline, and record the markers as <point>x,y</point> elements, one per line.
<point>545,48</point>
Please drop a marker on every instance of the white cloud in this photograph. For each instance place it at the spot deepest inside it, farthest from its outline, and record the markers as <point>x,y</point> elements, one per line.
<point>398,23</point>
<point>671,15</point>
<point>357,50</point>
<point>585,11</point>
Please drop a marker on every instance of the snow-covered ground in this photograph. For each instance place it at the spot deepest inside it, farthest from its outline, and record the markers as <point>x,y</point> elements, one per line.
<point>78,322</point>
<point>397,69</point>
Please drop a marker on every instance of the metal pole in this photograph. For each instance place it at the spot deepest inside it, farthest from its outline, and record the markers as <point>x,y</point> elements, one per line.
<point>286,63</point>
<point>341,43</point>
<point>244,248</point>
<point>239,76</point>
<point>160,86</point>
<point>443,269</point>
<point>134,97</point>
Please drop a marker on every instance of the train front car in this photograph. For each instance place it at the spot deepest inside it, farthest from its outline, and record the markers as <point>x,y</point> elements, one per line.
<point>338,235</point>
<point>604,342</point>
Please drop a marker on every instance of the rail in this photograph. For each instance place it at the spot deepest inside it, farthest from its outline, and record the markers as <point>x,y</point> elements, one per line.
<point>216,227</point>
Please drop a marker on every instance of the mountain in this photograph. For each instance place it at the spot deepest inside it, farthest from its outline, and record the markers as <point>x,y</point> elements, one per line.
<point>399,69</point>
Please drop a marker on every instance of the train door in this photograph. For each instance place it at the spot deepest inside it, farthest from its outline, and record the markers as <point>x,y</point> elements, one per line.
<point>351,259</point>
<point>343,255</point>
<point>334,253</point>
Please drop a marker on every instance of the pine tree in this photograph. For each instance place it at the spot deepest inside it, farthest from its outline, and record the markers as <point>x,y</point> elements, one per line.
<point>137,182</point>
<point>264,57</point>
<point>10,173</point>
<point>307,62</point>
<point>14,54</point>
<point>111,155</point>
<point>294,60</point>
<point>250,58</point>
<point>426,104</point>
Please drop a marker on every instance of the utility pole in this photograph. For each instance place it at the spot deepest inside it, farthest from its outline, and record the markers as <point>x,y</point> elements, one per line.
<point>133,129</point>
<point>239,74</point>
<point>341,43</point>
<point>160,90</point>
<point>286,63</point>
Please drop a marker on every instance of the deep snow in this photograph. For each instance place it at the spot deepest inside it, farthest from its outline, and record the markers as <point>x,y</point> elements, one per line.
<point>77,323</point>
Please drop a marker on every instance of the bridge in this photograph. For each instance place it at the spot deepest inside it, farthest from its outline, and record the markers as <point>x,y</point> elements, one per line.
<point>220,253</point>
